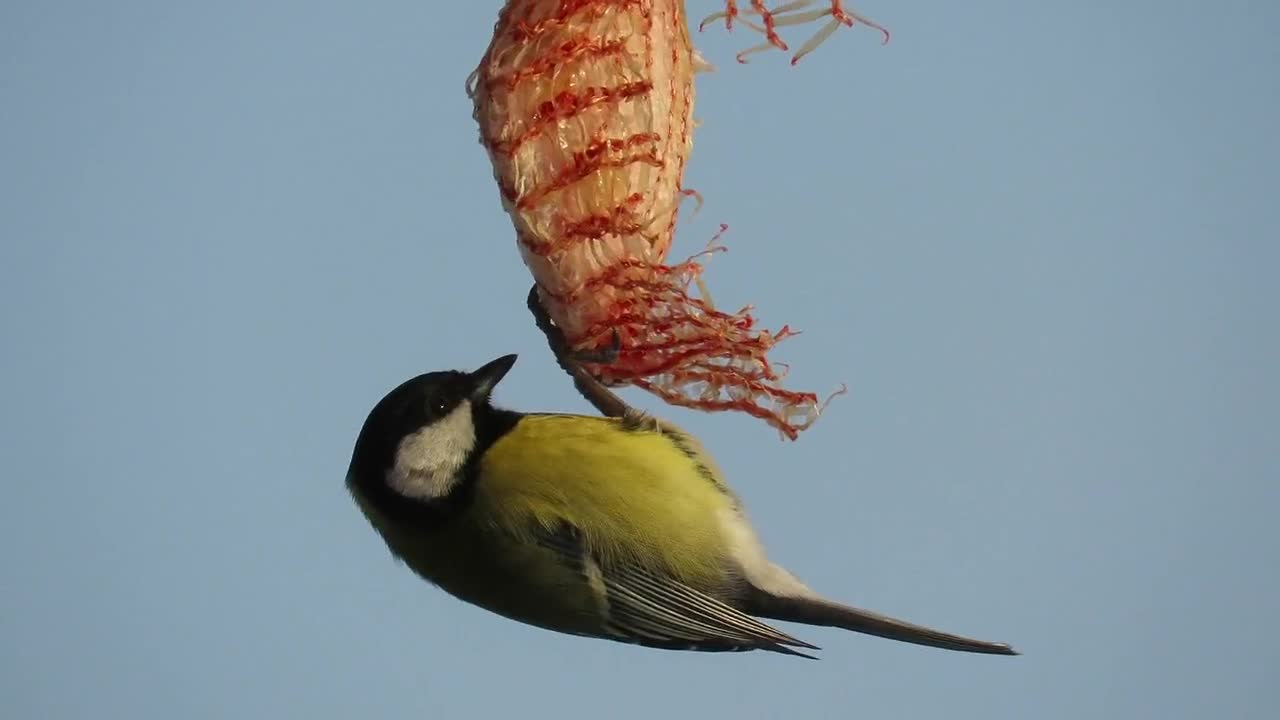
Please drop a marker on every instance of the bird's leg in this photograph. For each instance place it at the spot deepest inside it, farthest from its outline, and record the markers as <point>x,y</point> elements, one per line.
<point>603,356</point>
<point>601,398</point>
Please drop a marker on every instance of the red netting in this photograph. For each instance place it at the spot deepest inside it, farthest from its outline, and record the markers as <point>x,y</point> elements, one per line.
<point>766,22</point>
<point>585,107</point>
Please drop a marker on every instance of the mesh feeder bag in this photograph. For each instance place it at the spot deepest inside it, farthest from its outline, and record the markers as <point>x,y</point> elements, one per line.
<point>585,108</point>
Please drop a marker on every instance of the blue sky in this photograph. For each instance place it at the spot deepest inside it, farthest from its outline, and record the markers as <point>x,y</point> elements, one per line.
<point>1037,240</point>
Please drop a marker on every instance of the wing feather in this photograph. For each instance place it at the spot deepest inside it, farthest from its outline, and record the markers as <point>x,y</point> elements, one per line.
<point>648,608</point>
<point>675,596</point>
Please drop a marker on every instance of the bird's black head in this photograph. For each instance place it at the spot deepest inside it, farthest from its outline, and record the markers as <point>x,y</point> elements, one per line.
<point>419,442</point>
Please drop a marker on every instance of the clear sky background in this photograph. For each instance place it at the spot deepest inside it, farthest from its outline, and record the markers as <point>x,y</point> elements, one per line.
<point>1038,241</point>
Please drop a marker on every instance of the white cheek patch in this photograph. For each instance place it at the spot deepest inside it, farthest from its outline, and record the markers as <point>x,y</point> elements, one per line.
<point>428,461</point>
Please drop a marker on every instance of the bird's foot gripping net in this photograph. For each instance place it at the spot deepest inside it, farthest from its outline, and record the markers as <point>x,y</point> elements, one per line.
<point>657,336</point>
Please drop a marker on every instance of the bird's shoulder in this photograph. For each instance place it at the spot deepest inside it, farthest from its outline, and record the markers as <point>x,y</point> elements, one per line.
<point>637,442</point>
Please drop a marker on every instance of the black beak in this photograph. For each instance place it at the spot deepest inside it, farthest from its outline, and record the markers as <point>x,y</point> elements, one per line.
<point>484,379</point>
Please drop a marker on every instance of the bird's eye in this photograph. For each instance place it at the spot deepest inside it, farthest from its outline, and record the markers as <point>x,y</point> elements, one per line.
<point>438,405</point>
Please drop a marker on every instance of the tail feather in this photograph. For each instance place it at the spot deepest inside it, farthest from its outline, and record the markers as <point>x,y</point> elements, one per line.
<point>816,611</point>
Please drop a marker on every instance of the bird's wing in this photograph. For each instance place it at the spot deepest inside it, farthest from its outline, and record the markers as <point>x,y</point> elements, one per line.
<point>648,608</point>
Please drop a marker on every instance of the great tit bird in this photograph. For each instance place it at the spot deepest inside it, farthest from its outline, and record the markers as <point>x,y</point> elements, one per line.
<point>615,528</point>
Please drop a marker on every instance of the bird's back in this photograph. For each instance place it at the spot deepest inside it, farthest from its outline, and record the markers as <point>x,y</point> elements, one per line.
<point>621,484</point>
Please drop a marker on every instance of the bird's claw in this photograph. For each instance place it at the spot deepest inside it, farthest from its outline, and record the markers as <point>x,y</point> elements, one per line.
<point>603,356</point>
<point>594,391</point>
